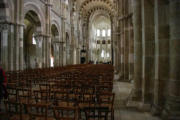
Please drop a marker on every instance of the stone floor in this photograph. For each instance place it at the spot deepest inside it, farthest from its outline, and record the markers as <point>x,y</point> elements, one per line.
<point>122,112</point>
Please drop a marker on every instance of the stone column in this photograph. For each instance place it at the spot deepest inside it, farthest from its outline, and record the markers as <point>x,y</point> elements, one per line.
<point>56,54</point>
<point>4,28</point>
<point>126,41</point>
<point>148,51</point>
<point>137,49</point>
<point>48,32</point>
<point>11,48</point>
<point>39,50</point>
<point>122,50</point>
<point>173,86</point>
<point>131,50</point>
<point>61,53</point>
<point>21,50</point>
<point>44,51</point>
<point>161,55</point>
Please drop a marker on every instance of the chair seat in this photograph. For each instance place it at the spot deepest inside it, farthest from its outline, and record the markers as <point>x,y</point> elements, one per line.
<point>17,117</point>
<point>42,118</point>
<point>106,105</point>
<point>65,118</point>
<point>65,104</point>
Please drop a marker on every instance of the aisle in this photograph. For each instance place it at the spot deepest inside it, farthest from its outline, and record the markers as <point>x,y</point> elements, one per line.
<point>122,91</point>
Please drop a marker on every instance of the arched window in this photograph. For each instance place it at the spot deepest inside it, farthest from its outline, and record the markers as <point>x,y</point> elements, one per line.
<point>33,40</point>
<point>109,32</point>
<point>98,32</point>
<point>103,32</point>
<point>102,53</point>
<point>108,55</point>
<point>66,2</point>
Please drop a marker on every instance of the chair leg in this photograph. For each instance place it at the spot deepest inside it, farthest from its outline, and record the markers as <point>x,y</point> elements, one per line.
<point>112,115</point>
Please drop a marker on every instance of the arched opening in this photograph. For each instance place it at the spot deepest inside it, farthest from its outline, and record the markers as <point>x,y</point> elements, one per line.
<point>54,48</point>
<point>32,25</point>
<point>100,38</point>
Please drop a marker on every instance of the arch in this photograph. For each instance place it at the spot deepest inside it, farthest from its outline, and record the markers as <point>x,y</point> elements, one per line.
<point>56,26</point>
<point>31,44</point>
<point>54,38</point>
<point>101,46</point>
<point>31,6</point>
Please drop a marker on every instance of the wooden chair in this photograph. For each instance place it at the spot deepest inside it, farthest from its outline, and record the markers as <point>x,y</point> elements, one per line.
<point>96,113</point>
<point>39,112</point>
<point>14,111</point>
<point>106,100</point>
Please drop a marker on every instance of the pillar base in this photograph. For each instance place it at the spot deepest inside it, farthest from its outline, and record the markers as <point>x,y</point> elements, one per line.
<point>144,107</point>
<point>156,110</point>
<point>170,115</point>
<point>136,95</point>
<point>139,105</point>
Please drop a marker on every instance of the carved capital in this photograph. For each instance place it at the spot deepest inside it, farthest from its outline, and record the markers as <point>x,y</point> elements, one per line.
<point>4,27</point>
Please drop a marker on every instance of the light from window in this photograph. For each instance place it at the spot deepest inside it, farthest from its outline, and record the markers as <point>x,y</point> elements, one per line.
<point>52,61</point>
<point>66,1</point>
<point>33,40</point>
<point>98,32</point>
<point>109,32</point>
<point>103,33</point>
<point>102,53</point>
<point>108,55</point>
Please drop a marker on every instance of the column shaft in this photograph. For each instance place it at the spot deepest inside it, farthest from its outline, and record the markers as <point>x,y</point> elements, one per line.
<point>148,51</point>
<point>137,49</point>
<point>161,55</point>
<point>173,98</point>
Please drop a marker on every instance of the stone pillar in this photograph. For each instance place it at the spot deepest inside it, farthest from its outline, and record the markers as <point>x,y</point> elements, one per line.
<point>61,53</point>
<point>56,54</point>
<point>173,86</point>
<point>44,51</point>
<point>21,50</point>
<point>122,50</point>
<point>39,50</point>
<point>48,32</point>
<point>48,48</point>
<point>137,89</point>
<point>148,51</point>
<point>131,50</point>
<point>126,42</point>
<point>4,28</point>
<point>161,55</point>
<point>11,48</point>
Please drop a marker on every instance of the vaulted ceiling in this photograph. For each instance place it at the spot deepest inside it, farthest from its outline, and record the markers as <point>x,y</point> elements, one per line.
<point>88,7</point>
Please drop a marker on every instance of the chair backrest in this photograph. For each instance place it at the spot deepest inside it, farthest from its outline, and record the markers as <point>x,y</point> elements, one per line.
<point>66,113</point>
<point>41,95</point>
<point>96,113</point>
<point>106,98</point>
<point>38,111</point>
<point>13,108</point>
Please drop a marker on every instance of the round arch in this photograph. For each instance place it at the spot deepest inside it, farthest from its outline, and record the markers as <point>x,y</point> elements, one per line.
<point>30,6</point>
<point>57,25</point>
<point>32,51</point>
<point>54,49</point>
